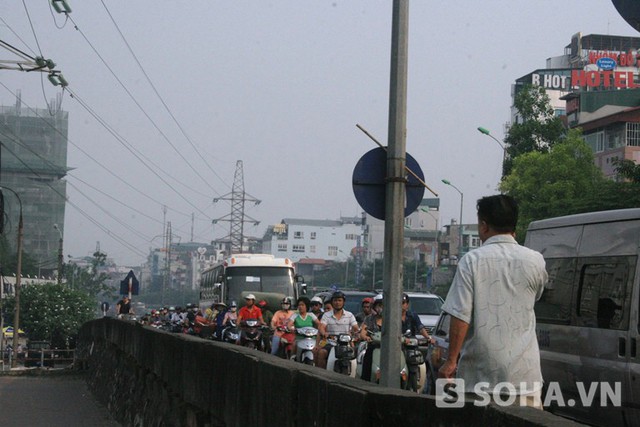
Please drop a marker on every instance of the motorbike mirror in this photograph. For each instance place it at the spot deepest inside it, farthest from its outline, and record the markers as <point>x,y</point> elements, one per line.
<point>407,333</point>
<point>303,288</point>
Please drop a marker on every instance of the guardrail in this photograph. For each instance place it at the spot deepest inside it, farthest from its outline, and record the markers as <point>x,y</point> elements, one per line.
<point>47,358</point>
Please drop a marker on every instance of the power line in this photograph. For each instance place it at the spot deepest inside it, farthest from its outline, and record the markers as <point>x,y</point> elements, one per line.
<point>32,29</point>
<point>140,106</point>
<point>90,157</point>
<point>193,145</point>
<point>127,146</point>
<point>109,232</point>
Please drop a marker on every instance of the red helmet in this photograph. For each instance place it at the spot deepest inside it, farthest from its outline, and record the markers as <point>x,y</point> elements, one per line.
<point>367,300</point>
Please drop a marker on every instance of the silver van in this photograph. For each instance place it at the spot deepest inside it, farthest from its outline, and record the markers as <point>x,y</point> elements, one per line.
<point>588,318</point>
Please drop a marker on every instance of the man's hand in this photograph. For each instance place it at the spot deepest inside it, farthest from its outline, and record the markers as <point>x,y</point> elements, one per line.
<point>447,370</point>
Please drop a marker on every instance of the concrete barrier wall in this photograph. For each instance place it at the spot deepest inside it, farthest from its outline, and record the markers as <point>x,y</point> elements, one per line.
<point>148,377</point>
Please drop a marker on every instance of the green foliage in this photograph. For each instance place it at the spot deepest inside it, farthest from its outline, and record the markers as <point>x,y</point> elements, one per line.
<point>627,169</point>
<point>537,131</point>
<point>559,182</point>
<point>89,280</point>
<point>52,312</point>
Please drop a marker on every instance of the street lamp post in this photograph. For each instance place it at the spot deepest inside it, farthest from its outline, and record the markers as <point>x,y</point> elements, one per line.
<point>445,181</point>
<point>16,312</point>
<point>485,131</point>
<point>60,256</point>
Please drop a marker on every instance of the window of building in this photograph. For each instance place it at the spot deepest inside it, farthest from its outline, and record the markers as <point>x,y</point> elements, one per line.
<point>595,141</point>
<point>350,236</point>
<point>282,247</point>
<point>333,251</point>
<point>633,134</point>
<point>313,235</point>
<point>298,235</point>
<point>312,249</point>
<point>298,248</point>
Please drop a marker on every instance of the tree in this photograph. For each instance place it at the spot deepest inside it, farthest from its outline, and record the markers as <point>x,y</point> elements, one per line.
<point>89,280</point>
<point>537,129</point>
<point>554,183</point>
<point>627,169</point>
<point>52,312</point>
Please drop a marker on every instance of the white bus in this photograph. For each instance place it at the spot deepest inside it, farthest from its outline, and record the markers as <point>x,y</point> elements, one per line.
<point>268,278</point>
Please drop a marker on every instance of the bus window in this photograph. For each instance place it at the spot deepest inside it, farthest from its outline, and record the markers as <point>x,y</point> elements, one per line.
<point>604,293</point>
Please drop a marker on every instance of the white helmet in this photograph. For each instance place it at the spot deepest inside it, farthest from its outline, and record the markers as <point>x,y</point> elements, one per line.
<point>316,299</point>
<point>250,296</point>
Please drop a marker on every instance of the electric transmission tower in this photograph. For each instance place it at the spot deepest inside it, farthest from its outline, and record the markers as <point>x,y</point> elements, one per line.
<point>238,197</point>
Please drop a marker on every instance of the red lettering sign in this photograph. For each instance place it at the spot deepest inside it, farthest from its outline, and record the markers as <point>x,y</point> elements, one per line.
<point>621,79</point>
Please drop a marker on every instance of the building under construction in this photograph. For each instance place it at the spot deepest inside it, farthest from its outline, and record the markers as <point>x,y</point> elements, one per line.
<point>33,163</point>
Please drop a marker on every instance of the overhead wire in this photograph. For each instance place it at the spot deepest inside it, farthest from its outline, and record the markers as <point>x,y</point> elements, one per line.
<point>54,167</point>
<point>127,146</point>
<point>94,159</point>
<point>144,112</point>
<point>18,37</point>
<point>135,57</point>
<point>33,30</point>
<point>63,196</point>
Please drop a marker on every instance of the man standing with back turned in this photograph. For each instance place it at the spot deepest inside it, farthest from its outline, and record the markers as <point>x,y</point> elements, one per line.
<point>493,325</point>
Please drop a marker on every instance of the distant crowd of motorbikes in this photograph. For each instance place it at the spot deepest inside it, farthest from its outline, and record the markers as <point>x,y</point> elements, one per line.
<point>346,350</point>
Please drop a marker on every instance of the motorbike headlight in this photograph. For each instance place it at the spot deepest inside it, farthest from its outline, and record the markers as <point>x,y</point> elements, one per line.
<point>412,341</point>
<point>310,332</point>
<point>252,323</point>
<point>344,338</point>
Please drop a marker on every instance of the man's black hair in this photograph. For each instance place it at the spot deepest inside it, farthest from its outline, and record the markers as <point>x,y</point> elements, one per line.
<point>500,212</point>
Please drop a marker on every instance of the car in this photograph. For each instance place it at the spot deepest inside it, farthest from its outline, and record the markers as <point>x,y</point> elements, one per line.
<point>353,298</point>
<point>38,355</point>
<point>427,306</point>
<point>438,351</point>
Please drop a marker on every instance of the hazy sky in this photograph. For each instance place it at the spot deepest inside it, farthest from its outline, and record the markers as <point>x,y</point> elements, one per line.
<point>279,85</point>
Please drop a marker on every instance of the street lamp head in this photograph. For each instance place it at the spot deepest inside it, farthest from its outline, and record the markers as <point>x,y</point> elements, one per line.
<point>446,181</point>
<point>484,130</point>
<point>56,226</point>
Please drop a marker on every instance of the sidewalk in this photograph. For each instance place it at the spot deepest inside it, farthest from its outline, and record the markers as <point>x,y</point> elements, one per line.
<point>50,399</point>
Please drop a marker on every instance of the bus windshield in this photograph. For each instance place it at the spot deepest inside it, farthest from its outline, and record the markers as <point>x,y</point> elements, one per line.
<point>259,279</point>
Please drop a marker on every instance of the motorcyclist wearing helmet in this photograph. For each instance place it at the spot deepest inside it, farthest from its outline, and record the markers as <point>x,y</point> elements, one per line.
<point>316,306</point>
<point>250,310</point>
<point>280,320</point>
<point>411,321</point>
<point>335,322</point>
<point>231,314</point>
<point>371,324</point>
<point>366,309</point>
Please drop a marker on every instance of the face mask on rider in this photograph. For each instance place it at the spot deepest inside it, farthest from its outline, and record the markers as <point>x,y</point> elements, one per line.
<point>233,309</point>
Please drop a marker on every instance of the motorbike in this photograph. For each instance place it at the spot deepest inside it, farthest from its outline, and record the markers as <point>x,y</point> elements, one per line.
<point>412,365</point>
<point>251,334</point>
<point>342,355</point>
<point>230,333</point>
<point>305,346</point>
<point>286,342</point>
<point>375,357</point>
<point>415,366</point>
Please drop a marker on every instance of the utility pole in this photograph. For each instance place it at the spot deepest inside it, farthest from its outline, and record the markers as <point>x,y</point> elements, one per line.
<point>60,254</point>
<point>16,312</point>
<point>395,198</point>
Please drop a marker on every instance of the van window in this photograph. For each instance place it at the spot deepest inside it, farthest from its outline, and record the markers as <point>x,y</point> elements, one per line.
<point>555,304</point>
<point>604,292</point>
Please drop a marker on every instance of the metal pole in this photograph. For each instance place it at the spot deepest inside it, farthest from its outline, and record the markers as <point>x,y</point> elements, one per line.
<point>395,198</point>
<point>60,256</point>
<point>16,313</point>
<point>460,226</point>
